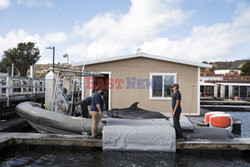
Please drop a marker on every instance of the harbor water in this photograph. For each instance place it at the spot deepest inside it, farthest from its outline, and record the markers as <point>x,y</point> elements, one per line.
<point>24,155</point>
<point>245,126</point>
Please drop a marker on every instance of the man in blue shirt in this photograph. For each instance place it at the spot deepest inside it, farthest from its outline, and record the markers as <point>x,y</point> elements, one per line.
<point>97,107</point>
<point>176,106</point>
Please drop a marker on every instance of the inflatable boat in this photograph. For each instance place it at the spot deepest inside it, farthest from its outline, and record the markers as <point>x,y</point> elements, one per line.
<point>46,121</point>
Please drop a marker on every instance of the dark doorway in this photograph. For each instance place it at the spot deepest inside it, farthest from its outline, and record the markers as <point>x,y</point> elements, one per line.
<point>236,91</point>
<point>226,91</point>
<point>243,91</point>
<point>103,83</point>
<point>218,91</point>
<point>202,91</point>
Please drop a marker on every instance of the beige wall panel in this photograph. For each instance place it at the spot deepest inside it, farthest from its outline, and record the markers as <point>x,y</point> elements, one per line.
<point>187,76</point>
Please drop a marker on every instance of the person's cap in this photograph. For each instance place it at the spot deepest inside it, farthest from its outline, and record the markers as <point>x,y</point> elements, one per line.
<point>176,85</point>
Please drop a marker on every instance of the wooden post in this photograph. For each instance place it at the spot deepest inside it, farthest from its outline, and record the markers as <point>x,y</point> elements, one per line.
<point>230,91</point>
<point>83,84</point>
<point>38,85</point>
<point>34,86</point>
<point>0,87</point>
<point>21,86</point>
<point>28,86</point>
<point>12,70</point>
<point>8,90</point>
<point>222,91</point>
<point>43,85</point>
<point>215,90</point>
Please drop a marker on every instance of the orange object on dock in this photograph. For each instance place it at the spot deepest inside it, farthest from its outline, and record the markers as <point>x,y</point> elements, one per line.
<point>209,114</point>
<point>220,121</point>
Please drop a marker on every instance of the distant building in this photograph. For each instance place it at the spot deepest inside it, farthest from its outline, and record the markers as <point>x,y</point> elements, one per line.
<point>224,84</point>
<point>225,71</point>
<point>236,77</point>
<point>211,77</point>
<point>227,89</point>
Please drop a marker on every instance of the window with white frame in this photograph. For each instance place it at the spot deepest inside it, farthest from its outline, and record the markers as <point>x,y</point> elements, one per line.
<point>161,85</point>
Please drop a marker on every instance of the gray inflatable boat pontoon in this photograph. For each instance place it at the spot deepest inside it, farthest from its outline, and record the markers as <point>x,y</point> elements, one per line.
<point>48,121</point>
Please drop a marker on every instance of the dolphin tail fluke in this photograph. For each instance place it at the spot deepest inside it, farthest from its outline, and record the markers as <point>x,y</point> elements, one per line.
<point>134,105</point>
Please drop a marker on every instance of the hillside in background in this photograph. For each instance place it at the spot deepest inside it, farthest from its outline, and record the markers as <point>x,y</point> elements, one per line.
<point>40,67</point>
<point>43,69</point>
<point>228,65</point>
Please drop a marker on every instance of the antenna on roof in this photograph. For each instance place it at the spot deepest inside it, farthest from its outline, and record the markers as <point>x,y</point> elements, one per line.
<point>139,50</point>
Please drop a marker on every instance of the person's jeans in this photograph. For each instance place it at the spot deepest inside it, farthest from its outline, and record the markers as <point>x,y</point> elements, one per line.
<point>177,124</point>
<point>96,118</point>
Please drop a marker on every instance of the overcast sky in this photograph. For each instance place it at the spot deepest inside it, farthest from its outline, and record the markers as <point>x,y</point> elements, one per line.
<point>193,30</point>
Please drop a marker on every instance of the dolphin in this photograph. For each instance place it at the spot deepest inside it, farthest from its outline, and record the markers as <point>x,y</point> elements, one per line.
<point>133,112</point>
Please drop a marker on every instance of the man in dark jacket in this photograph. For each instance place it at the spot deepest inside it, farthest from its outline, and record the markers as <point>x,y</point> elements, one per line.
<point>176,106</point>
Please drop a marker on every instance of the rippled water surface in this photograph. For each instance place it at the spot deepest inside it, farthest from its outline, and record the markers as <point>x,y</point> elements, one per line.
<point>245,125</point>
<point>57,156</point>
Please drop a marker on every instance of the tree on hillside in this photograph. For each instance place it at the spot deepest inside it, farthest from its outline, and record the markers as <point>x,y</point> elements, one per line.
<point>23,56</point>
<point>245,69</point>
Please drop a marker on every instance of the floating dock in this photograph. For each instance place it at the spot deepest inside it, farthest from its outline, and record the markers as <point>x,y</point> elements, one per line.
<point>224,102</point>
<point>13,125</point>
<point>7,139</point>
<point>225,105</point>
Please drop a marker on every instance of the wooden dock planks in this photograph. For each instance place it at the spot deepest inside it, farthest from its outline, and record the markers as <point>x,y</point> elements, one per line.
<point>222,144</point>
<point>52,139</point>
<point>85,141</point>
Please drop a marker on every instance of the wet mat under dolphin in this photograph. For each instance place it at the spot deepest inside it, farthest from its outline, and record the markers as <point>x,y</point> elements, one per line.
<point>139,135</point>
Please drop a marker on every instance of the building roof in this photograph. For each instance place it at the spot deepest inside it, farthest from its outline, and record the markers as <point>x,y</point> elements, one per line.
<point>238,76</point>
<point>141,54</point>
<point>207,84</point>
<point>230,82</point>
<point>234,84</point>
<point>212,75</point>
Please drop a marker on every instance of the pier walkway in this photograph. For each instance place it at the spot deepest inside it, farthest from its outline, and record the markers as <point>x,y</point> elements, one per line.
<point>6,139</point>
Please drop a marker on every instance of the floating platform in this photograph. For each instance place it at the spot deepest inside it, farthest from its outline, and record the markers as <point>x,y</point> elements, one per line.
<point>225,105</point>
<point>7,139</point>
<point>224,102</point>
<point>13,125</point>
<point>217,107</point>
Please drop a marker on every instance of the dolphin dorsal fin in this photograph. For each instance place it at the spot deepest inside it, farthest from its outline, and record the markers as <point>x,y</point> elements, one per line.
<point>134,105</point>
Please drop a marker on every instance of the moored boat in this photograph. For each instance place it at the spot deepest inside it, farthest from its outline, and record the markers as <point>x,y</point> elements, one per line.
<point>48,121</point>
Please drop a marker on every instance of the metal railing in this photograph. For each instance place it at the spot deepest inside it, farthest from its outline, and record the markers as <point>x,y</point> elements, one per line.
<point>19,86</point>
